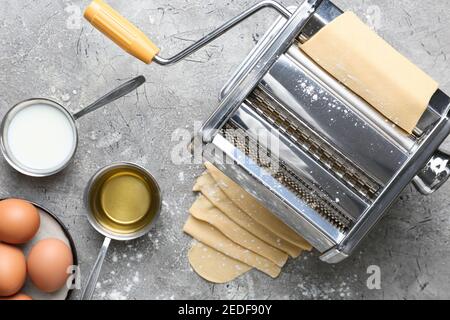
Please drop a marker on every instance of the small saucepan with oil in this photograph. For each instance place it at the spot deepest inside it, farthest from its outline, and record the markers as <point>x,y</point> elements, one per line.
<point>123,202</point>
<point>39,137</point>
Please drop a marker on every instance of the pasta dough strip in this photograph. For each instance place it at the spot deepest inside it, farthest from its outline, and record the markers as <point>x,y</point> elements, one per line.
<point>205,211</point>
<point>207,234</point>
<point>209,188</point>
<point>365,63</point>
<point>255,209</point>
<point>213,265</point>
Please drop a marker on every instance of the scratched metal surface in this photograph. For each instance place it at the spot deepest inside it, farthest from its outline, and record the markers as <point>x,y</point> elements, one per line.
<point>46,50</point>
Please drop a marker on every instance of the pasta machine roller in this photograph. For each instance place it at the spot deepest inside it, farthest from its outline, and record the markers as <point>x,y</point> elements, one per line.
<point>313,152</point>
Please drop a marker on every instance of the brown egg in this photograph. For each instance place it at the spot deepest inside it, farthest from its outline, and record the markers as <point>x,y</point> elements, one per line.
<point>13,270</point>
<point>19,296</point>
<point>48,263</point>
<point>19,221</point>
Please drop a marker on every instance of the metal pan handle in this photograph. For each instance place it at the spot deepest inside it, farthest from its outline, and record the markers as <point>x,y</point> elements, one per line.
<point>118,93</point>
<point>91,284</point>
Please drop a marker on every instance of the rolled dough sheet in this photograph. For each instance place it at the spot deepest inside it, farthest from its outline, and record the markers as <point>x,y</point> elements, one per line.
<point>214,266</point>
<point>207,234</point>
<point>255,209</point>
<point>204,210</point>
<point>360,59</point>
<point>209,188</point>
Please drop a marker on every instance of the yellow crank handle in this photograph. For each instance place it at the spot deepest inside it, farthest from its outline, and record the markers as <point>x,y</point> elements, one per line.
<point>121,31</point>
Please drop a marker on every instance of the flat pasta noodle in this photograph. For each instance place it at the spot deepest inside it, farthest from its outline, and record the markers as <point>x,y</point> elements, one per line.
<point>209,188</point>
<point>207,234</point>
<point>213,265</point>
<point>204,210</point>
<point>247,203</point>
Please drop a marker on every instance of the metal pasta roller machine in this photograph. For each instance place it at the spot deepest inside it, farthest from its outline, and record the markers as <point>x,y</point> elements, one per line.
<point>312,151</point>
<point>331,183</point>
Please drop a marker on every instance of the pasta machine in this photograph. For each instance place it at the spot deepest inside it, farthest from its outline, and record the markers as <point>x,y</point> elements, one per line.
<point>313,152</point>
<point>338,164</point>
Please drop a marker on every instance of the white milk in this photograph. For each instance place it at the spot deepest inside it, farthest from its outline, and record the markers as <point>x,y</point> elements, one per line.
<point>41,137</point>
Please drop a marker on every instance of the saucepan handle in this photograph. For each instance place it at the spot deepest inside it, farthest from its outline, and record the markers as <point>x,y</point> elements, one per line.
<point>114,95</point>
<point>91,284</point>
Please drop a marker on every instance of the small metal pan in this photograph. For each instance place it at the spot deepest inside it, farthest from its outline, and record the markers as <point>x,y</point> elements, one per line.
<point>154,211</point>
<point>12,160</point>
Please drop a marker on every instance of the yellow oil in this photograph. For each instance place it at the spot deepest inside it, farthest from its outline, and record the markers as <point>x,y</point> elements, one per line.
<point>124,200</point>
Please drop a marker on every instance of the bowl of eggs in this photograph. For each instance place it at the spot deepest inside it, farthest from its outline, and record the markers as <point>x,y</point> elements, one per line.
<point>38,257</point>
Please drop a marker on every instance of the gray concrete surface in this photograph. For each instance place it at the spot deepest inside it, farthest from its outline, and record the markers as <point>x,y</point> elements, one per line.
<point>46,50</point>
